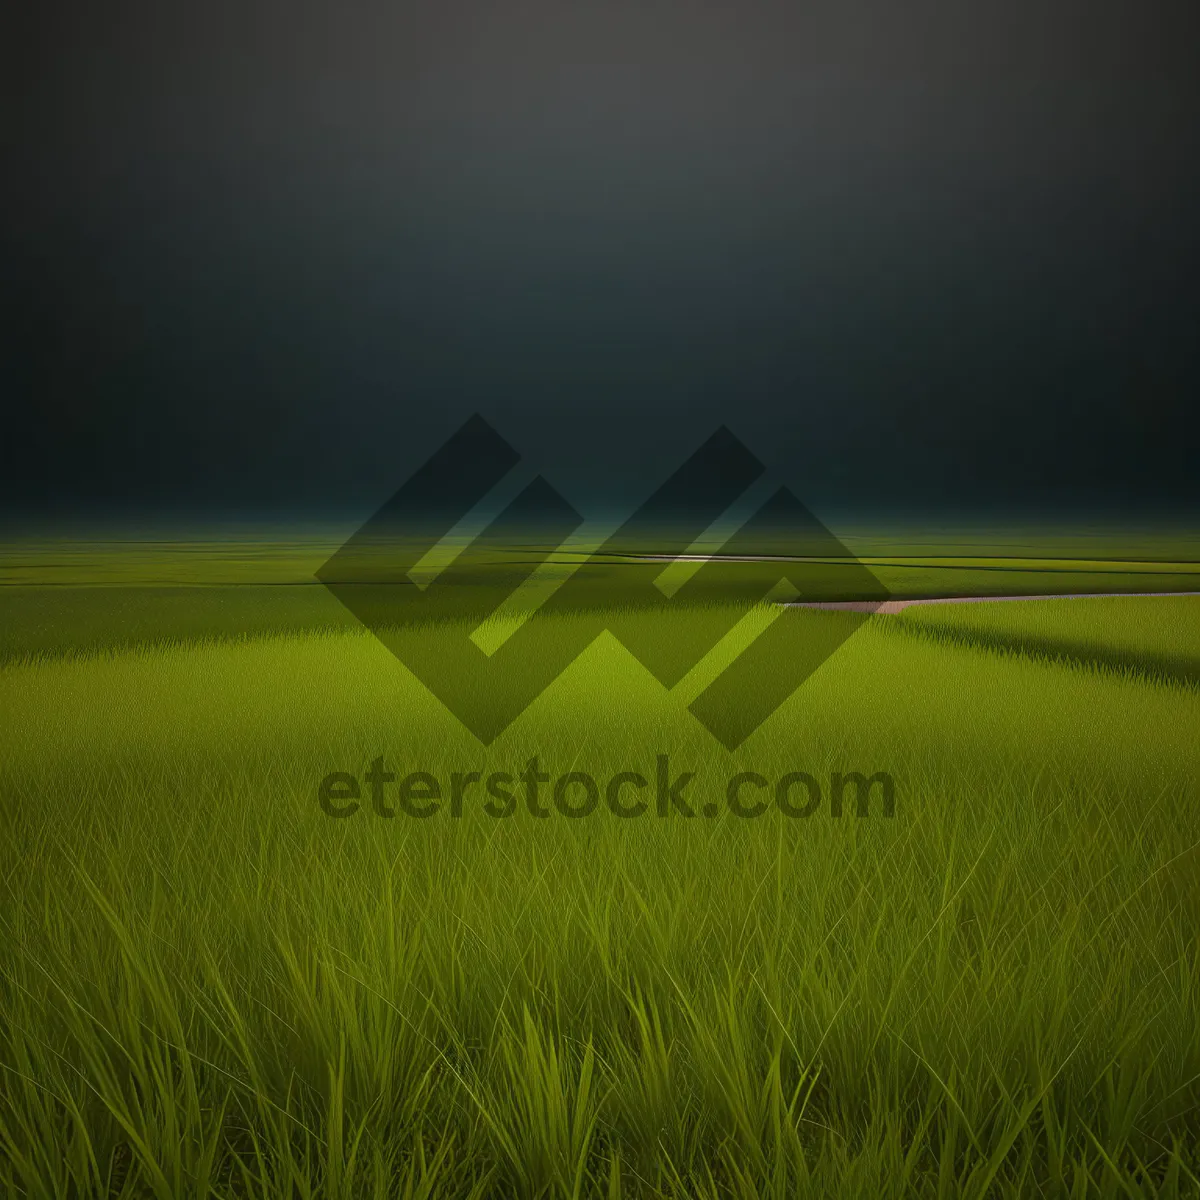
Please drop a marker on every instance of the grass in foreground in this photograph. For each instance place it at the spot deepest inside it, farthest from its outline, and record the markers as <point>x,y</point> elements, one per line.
<point>207,987</point>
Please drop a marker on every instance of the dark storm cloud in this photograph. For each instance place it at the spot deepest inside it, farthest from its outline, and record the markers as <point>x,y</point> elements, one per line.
<point>917,252</point>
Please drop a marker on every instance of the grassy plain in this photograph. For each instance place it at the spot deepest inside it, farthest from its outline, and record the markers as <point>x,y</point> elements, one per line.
<point>210,987</point>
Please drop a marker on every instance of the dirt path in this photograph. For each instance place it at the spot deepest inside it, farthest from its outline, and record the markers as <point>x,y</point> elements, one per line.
<point>888,607</point>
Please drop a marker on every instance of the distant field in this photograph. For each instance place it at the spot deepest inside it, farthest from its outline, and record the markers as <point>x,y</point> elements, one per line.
<point>70,593</point>
<point>210,987</point>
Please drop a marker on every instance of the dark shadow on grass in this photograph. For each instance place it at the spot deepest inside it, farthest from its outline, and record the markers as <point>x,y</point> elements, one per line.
<point>37,621</point>
<point>1179,669</point>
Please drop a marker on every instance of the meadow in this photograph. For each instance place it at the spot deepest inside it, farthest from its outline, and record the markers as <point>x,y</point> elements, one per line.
<point>209,987</point>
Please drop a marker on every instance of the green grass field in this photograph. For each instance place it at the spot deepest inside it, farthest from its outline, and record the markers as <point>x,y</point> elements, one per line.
<point>209,987</point>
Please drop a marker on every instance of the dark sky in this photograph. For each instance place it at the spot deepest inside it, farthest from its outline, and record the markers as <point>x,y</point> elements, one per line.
<point>914,255</point>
